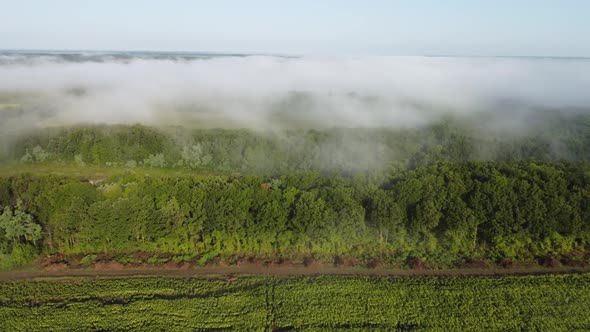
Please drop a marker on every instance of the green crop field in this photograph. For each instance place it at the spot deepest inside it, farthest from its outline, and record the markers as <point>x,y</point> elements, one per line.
<point>502,303</point>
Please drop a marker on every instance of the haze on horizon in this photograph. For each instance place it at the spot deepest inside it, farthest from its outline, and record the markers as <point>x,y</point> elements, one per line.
<point>269,92</point>
<point>353,69</point>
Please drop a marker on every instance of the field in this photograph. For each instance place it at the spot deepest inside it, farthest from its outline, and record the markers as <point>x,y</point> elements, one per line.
<point>501,303</point>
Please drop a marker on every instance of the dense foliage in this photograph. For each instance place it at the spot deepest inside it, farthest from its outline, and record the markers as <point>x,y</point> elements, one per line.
<point>531,303</point>
<point>545,137</point>
<point>443,192</point>
<point>443,213</point>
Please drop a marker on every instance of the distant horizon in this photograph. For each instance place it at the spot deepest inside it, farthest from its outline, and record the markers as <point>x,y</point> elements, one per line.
<point>240,53</point>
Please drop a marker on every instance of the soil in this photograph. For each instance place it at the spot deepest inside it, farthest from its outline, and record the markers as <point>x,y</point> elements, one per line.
<point>109,266</point>
<point>48,261</point>
<point>314,267</point>
<point>56,267</point>
<point>375,263</point>
<point>311,263</point>
<point>574,262</point>
<point>474,263</point>
<point>551,262</point>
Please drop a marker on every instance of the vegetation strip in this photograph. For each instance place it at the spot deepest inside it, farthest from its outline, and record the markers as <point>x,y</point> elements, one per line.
<point>444,215</point>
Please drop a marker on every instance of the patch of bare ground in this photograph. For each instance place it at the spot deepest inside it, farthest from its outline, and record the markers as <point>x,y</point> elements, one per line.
<point>172,265</point>
<point>169,265</point>
<point>474,263</point>
<point>344,262</point>
<point>375,263</point>
<point>512,264</point>
<point>54,263</point>
<point>216,262</point>
<point>52,259</point>
<point>314,267</point>
<point>574,262</point>
<point>312,263</point>
<point>60,265</point>
<point>109,266</point>
<point>56,267</point>
<point>73,261</point>
<point>550,262</point>
<point>282,262</point>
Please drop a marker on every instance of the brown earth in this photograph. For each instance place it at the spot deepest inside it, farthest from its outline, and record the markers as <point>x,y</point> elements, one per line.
<point>114,269</point>
<point>103,265</point>
<point>473,263</point>
<point>109,266</point>
<point>574,262</point>
<point>56,267</point>
<point>550,262</point>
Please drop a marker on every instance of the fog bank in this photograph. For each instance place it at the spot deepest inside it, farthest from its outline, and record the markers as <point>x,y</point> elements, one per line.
<point>268,92</point>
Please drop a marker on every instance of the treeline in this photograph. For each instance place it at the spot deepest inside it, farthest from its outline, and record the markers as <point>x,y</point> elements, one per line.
<point>548,137</point>
<point>443,213</point>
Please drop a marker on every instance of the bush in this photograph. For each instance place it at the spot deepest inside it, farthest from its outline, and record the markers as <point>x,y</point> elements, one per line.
<point>23,254</point>
<point>88,260</point>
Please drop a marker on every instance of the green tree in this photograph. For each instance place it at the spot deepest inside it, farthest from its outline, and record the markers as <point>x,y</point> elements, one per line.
<point>19,225</point>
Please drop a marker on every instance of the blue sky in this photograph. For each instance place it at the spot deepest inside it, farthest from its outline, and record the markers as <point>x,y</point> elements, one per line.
<point>420,27</point>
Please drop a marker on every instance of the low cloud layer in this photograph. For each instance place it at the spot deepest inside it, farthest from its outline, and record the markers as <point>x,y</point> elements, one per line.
<point>274,92</point>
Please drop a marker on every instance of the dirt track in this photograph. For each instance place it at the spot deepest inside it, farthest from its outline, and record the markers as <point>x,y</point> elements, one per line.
<point>280,271</point>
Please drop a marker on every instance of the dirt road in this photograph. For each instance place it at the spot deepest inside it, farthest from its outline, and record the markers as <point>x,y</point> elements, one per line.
<point>280,271</point>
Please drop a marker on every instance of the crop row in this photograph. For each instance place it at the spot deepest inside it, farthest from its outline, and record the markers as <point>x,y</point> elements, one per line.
<point>551,302</point>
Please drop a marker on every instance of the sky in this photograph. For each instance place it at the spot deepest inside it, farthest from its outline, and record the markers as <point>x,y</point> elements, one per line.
<point>369,27</point>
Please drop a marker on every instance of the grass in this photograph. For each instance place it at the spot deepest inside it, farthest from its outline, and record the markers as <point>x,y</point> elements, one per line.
<point>326,303</point>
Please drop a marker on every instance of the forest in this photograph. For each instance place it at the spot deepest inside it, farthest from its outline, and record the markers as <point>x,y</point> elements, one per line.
<point>542,136</point>
<point>441,194</point>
